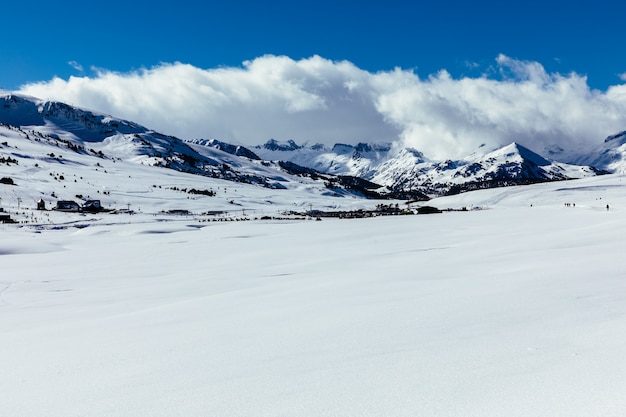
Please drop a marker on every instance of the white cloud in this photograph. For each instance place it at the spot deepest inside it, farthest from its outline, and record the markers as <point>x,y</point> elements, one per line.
<point>75,65</point>
<point>534,108</point>
<point>320,100</point>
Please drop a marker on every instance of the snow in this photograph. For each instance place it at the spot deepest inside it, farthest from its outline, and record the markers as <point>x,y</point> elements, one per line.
<point>360,160</point>
<point>510,310</point>
<point>512,303</point>
<point>610,155</point>
<point>408,169</point>
<point>124,179</point>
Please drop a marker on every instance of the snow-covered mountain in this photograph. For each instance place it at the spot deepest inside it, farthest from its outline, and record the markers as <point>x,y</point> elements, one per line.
<point>364,170</point>
<point>408,169</point>
<point>53,118</point>
<point>91,133</point>
<point>507,295</point>
<point>56,152</point>
<point>610,155</point>
<point>510,165</point>
<point>237,150</point>
<point>359,160</point>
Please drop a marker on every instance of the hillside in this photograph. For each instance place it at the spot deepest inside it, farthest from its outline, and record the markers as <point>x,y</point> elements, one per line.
<point>610,155</point>
<point>510,165</point>
<point>55,152</point>
<point>461,313</point>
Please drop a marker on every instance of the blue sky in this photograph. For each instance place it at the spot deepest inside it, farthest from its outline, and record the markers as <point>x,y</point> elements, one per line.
<point>442,77</point>
<point>41,38</point>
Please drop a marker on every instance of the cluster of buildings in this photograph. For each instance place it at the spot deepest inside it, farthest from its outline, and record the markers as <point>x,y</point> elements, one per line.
<point>89,206</point>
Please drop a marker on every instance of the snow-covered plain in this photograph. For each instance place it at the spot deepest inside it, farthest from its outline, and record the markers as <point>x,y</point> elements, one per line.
<point>516,307</point>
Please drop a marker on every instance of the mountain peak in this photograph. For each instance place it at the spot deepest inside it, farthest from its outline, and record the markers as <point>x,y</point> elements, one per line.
<point>515,149</point>
<point>275,145</point>
<point>227,147</point>
<point>19,110</point>
<point>343,148</point>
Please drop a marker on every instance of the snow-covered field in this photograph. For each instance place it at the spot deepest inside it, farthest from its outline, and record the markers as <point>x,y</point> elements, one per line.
<point>517,309</point>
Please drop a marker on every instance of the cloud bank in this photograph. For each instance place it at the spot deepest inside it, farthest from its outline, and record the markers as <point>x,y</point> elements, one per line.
<point>319,100</point>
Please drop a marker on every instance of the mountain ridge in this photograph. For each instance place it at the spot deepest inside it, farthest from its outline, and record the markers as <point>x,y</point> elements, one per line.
<point>397,171</point>
<point>408,169</point>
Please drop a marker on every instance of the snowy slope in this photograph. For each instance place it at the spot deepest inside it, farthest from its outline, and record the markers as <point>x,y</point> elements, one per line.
<point>405,173</point>
<point>123,173</point>
<point>408,169</point>
<point>359,160</point>
<point>509,165</point>
<point>510,311</point>
<point>610,155</point>
<point>63,153</point>
<point>512,303</point>
<point>236,150</point>
<point>89,133</point>
<point>53,117</point>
